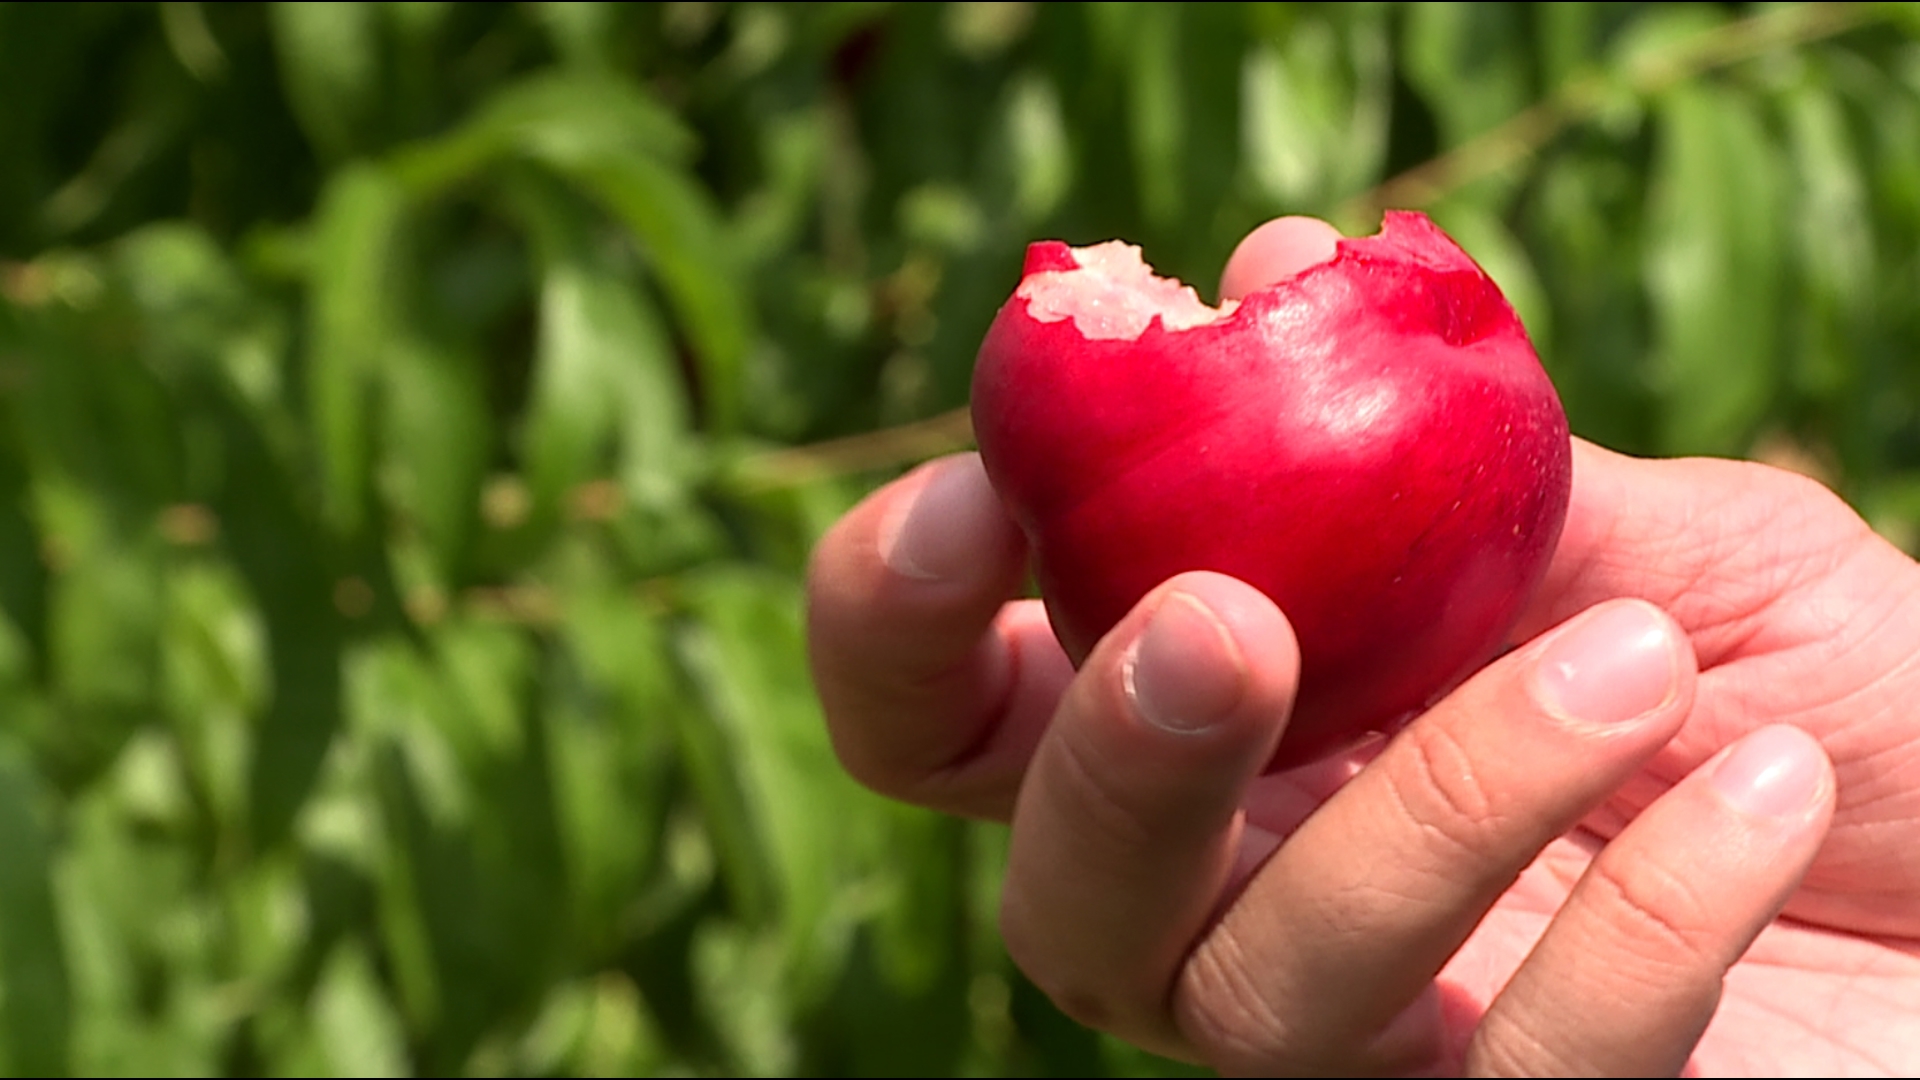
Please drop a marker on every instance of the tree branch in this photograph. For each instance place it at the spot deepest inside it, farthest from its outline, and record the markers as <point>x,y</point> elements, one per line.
<point>1528,131</point>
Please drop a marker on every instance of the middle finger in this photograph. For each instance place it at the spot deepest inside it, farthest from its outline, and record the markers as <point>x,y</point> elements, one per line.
<point>1316,966</point>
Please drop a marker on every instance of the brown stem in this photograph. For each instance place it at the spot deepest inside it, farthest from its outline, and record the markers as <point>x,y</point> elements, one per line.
<point>886,448</point>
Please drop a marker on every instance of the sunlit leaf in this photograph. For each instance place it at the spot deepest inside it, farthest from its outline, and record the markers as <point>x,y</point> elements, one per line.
<point>437,445</point>
<point>1835,246</point>
<point>605,369</point>
<point>329,56</point>
<point>1713,267</point>
<point>1314,110</point>
<point>679,233</point>
<point>215,665</point>
<point>797,800</point>
<point>353,323</point>
<point>557,116</point>
<point>357,1026</point>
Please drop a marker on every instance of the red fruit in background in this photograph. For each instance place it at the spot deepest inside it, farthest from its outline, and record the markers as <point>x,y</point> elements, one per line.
<point>1371,442</point>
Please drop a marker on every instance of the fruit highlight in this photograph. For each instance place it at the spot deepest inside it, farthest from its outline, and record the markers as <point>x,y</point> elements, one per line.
<point>1371,442</point>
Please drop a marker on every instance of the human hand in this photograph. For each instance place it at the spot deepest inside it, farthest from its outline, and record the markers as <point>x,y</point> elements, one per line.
<point>1129,900</point>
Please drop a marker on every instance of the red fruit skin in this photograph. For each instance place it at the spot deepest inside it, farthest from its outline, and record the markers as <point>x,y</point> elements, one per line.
<point>1373,444</point>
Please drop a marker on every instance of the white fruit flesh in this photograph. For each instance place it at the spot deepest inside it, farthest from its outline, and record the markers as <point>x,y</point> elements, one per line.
<point>1115,295</point>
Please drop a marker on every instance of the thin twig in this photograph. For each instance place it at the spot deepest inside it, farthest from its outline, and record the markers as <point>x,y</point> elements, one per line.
<point>1583,99</point>
<point>885,448</point>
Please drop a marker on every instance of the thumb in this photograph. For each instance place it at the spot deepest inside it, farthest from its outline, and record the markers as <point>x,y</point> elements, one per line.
<point>1275,252</point>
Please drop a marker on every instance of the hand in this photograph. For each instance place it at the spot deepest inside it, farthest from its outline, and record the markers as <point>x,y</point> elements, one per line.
<point>1390,932</point>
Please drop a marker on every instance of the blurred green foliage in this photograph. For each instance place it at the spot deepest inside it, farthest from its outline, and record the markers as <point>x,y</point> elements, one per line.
<point>414,418</point>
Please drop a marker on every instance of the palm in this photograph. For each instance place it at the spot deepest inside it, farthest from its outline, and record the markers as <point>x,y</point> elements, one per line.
<point>1798,613</point>
<point>1806,1000</point>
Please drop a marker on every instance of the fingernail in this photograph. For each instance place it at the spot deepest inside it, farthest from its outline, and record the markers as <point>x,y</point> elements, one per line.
<point>939,533</point>
<point>1186,672</point>
<point>1774,772</point>
<point>1612,667</point>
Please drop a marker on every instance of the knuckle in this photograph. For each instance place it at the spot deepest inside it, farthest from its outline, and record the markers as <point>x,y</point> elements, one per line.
<point>1444,794</point>
<point>1660,917</point>
<point>1222,1006</point>
<point>1508,1046</point>
<point>1112,817</point>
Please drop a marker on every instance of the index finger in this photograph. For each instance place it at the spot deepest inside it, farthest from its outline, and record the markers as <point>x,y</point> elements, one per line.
<point>936,684</point>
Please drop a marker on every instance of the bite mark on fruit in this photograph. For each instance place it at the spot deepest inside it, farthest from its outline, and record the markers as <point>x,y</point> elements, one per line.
<point>1367,439</point>
<point>1115,295</point>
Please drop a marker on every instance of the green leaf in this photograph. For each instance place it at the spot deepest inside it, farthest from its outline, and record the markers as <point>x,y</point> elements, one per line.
<point>104,624</point>
<point>35,1011</point>
<point>571,417</point>
<point>604,368</point>
<point>1469,63</point>
<point>618,146</point>
<point>582,33</point>
<point>352,324</point>
<point>554,116</point>
<point>1041,154</point>
<point>1314,109</point>
<point>598,1028</point>
<point>744,654</point>
<point>1714,257</point>
<point>215,654</point>
<point>1834,248</point>
<point>357,1027</point>
<point>438,441</point>
<point>79,382</point>
<point>738,971</point>
<point>1570,39</point>
<point>472,892</point>
<point>611,748</point>
<point>677,229</point>
<point>1644,48</point>
<point>597,326</point>
<point>275,543</point>
<point>1142,42</point>
<point>23,574</point>
<point>329,56</point>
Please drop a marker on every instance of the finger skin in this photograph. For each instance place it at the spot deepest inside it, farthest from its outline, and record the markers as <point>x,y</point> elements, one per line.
<point>1340,934</point>
<point>935,687</point>
<point>1275,252</point>
<point>1799,614</point>
<point>1629,973</point>
<point>1128,825</point>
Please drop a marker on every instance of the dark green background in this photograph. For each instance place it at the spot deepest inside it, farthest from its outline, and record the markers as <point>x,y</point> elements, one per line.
<point>414,419</point>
